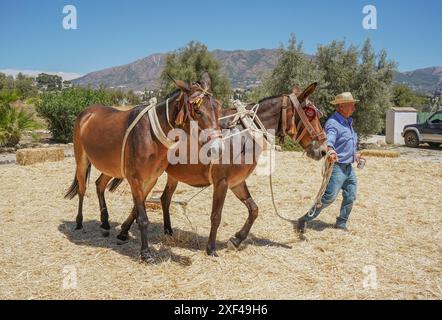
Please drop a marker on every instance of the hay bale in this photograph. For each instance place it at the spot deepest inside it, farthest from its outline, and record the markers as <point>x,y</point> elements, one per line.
<point>27,157</point>
<point>380,153</point>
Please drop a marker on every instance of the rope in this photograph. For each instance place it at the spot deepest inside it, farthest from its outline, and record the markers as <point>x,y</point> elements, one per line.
<point>184,205</point>
<point>129,129</point>
<point>327,170</point>
<point>271,190</point>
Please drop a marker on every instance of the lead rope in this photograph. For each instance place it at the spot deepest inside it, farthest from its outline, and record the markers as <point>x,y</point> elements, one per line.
<point>327,170</point>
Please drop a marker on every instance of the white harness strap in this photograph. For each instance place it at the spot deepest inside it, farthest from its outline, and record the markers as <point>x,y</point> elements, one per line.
<point>156,128</point>
<point>167,114</point>
<point>158,131</point>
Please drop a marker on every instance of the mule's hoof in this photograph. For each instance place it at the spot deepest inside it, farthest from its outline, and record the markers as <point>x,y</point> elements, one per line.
<point>212,253</point>
<point>122,239</point>
<point>105,226</point>
<point>234,243</point>
<point>79,226</point>
<point>168,232</point>
<point>105,231</point>
<point>146,256</point>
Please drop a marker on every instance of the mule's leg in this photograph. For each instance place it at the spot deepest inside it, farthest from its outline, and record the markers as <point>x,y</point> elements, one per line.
<point>81,174</point>
<point>242,193</point>
<point>166,197</point>
<point>219,196</point>
<point>101,184</point>
<point>140,190</point>
<point>125,227</point>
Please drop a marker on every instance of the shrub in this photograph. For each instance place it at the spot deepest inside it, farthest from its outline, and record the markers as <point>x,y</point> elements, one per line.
<point>12,124</point>
<point>289,145</point>
<point>60,109</point>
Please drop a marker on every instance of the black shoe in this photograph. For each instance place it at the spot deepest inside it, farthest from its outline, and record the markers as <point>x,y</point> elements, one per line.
<point>343,228</point>
<point>301,227</point>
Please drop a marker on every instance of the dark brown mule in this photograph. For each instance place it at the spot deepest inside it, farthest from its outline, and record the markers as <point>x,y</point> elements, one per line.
<point>98,138</point>
<point>233,176</point>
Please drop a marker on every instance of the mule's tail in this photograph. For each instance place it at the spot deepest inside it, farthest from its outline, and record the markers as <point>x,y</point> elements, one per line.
<point>73,189</point>
<point>113,185</point>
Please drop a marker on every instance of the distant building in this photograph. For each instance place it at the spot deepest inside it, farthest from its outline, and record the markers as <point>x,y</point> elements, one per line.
<point>397,118</point>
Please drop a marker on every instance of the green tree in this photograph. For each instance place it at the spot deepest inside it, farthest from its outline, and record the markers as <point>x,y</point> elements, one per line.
<point>6,82</point>
<point>293,67</point>
<point>339,66</point>
<point>25,86</point>
<point>403,96</point>
<point>132,98</point>
<point>49,82</point>
<point>189,64</point>
<point>60,108</point>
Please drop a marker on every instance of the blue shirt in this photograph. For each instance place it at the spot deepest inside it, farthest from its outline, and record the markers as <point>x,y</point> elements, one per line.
<point>342,137</point>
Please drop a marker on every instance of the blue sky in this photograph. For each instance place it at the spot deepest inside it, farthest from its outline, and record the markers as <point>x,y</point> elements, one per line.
<point>114,32</point>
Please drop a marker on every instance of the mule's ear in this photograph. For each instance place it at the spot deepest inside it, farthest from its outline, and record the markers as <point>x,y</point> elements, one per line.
<point>182,85</point>
<point>206,81</point>
<point>308,91</point>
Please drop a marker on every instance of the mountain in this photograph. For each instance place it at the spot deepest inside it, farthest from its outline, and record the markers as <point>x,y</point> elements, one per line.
<point>244,68</point>
<point>424,80</point>
<point>140,74</point>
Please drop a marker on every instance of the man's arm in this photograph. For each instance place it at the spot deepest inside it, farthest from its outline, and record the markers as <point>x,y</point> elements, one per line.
<point>332,133</point>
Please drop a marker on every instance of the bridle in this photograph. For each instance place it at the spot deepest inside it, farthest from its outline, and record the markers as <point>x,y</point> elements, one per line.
<point>300,110</point>
<point>188,107</point>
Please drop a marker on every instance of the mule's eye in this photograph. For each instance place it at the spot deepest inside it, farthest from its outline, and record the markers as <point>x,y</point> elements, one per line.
<point>198,112</point>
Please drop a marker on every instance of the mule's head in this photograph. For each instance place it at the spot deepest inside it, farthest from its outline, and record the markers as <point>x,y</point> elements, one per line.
<point>198,104</point>
<point>308,132</point>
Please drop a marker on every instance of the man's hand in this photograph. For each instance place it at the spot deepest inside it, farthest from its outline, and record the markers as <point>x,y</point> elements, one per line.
<point>333,156</point>
<point>358,157</point>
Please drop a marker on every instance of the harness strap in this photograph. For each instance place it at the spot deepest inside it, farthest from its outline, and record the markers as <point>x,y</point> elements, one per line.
<point>283,117</point>
<point>167,114</point>
<point>126,134</point>
<point>158,131</point>
<point>307,125</point>
<point>156,128</point>
<point>209,174</point>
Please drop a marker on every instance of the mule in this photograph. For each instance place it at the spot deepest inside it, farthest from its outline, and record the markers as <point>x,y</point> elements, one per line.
<point>99,133</point>
<point>284,115</point>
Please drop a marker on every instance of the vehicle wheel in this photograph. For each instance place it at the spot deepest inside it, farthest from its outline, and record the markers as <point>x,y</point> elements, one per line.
<point>411,139</point>
<point>434,144</point>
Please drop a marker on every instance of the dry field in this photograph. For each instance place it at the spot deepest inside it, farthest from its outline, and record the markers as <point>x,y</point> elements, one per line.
<point>394,250</point>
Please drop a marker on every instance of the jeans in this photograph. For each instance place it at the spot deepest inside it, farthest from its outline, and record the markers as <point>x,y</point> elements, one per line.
<point>343,177</point>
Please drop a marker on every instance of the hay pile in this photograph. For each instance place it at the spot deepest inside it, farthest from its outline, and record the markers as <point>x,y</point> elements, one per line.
<point>394,250</point>
<point>380,153</point>
<point>26,157</point>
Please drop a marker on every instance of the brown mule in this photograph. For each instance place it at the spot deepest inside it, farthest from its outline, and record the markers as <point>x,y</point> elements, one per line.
<point>98,136</point>
<point>233,175</point>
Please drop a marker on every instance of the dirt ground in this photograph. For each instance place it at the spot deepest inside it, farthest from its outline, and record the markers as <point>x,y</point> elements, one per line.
<point>394,249</point>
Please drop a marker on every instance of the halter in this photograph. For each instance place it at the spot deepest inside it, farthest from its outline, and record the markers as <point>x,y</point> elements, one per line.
<point>299,109</point>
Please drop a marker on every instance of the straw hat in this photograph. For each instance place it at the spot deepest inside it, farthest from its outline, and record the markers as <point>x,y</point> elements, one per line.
<point>343,98</point>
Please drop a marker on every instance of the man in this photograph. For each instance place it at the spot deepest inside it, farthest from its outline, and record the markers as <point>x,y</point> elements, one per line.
<point>342,140</point>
